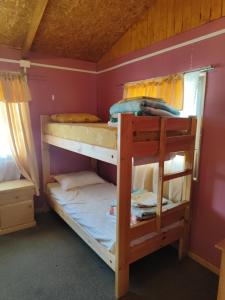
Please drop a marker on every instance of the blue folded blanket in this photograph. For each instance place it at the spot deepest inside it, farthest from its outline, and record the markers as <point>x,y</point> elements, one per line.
<point>144,107</point>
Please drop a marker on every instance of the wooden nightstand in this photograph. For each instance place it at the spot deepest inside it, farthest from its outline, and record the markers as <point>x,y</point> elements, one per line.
<point>16,205</point>
<point>221,291</point>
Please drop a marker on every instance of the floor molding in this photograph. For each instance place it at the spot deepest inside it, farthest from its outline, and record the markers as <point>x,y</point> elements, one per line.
<point>204,262</point>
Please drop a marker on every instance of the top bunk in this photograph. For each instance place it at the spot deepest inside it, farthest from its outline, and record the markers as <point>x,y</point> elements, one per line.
<point>144,135</point>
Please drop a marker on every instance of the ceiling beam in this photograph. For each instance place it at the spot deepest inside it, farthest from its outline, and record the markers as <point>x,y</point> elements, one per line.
<point>36,20</point>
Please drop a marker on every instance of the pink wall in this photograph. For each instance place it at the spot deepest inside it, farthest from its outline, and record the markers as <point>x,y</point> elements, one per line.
<point>73,91</point>
<point>71,95</point>
<point>208,225</point>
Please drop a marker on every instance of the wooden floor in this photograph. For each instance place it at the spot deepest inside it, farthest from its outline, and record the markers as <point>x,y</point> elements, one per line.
<point>51,262</point>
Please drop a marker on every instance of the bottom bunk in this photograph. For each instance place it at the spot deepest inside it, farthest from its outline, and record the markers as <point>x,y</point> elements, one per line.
<point>87,211</point>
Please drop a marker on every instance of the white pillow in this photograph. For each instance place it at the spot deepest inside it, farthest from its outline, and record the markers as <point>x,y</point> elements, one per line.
<point>74,180</point>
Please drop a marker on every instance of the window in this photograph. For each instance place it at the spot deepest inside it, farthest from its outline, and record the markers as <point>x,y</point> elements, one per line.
<point>9,170</point>
<point>194,96</point>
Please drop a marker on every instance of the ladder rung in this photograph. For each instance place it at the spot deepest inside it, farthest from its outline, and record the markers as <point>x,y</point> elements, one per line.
<point>177,174</point>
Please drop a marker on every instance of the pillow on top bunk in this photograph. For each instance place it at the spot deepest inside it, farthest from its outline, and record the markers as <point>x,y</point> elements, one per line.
<point>78,179</point>
<point>75,118</point>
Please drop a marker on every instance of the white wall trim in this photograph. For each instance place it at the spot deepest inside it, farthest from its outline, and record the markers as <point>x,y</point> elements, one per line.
<point>14,61</point>
<point>10,61</point>
<point>140,58</point>
<point>62,68</point>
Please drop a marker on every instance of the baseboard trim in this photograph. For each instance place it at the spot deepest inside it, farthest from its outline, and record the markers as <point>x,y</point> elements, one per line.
<point>204,262</point>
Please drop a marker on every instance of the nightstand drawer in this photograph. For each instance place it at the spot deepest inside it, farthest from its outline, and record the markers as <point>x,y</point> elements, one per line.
<point>16,214</point>
<point>16,196</point>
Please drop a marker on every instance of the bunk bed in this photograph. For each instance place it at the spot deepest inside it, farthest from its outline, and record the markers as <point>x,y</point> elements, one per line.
<point>135,140</point>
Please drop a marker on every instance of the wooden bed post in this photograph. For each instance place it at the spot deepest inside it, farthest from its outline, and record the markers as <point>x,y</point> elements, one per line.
<point>124,175</point>
<point>45,154</point>
<point>94,164</point>
<point>161,172</point>
<point>186,195</point>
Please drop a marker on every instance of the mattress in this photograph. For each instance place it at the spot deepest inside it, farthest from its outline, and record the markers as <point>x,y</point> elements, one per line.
<point>89,207</point>
<point>98,134</point>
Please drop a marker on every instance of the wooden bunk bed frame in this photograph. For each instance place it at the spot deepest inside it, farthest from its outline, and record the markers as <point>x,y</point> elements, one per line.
<point>166,141</point>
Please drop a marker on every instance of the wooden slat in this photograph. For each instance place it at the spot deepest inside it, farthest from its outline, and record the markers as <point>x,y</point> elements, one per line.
<point>178,18</point>
<point>170,216</point>
<point>205,11</point>
<point>177,175</point>
<point>100,153</point>
<point>223,7</point>
<point>155,16</point>
<point>36,20</point>
<point>134,37</point>
<point>150,148</point>
<point>179,139</point>
<point>150,30</point>
<point>195,13</point>
<point>148,247</point>
<point>163,16</point>
<point>216,9</point>
<point>171,236</point>
<point>174,214</point>
<point>178,124</point>
<point>155,243</point>
<point>142,228</point>
<point>179,143</point>
<point>187,15</point>
<point>146,124</point>
<point>170,19</point>
<point>125,41</point>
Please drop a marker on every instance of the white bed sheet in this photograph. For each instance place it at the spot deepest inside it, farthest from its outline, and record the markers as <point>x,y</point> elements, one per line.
<point>89,206</point>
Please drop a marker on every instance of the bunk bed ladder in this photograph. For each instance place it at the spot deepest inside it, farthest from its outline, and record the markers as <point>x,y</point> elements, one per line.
<point>187,190</point>
<point>187,173</point>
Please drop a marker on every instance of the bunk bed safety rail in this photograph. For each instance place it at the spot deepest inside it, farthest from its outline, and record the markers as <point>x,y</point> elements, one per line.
<point>166,135</point>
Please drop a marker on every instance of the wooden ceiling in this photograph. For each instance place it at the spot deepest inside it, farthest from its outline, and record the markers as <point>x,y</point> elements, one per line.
<point>82,29</point>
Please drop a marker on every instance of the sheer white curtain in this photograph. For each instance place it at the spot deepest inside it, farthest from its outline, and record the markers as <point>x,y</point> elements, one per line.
<point>194,96</point>
<point>14,98</point>
<point>8,168</point>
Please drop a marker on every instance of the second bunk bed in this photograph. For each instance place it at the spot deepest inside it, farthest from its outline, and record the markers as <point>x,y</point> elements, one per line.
<point>137,140</point>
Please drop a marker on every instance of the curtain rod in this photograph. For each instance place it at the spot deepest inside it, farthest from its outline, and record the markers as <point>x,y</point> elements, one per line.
<point>202,69</point>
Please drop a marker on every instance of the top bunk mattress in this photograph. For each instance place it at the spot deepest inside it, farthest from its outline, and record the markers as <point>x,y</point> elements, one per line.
<point>98,134</point>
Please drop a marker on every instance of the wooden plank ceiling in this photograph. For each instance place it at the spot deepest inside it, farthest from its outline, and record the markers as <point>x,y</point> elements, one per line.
<point>83,29</point>
<point>164,19</point>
